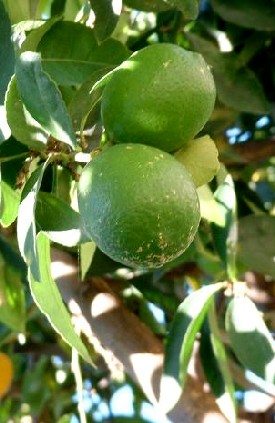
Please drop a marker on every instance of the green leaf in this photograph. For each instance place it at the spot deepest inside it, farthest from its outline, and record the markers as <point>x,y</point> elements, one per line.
<point>42,98</point>
<point>106,13</point>
<point>26,226</point>
<point>12,299</point>
<point>55,310</point>
<point>62,223</point>
<point>7,59</point>
<point>23,126</point>
<point>35,389</point>
<point>224,236</point>
<point>189,8</point>
<point>209,207</point>
<point>148,5</point>
<point>77,55</point>
<point>180,342</point>
<point>10,200</point>
<point>5,131</point>
<point>256,247</point>
<point>250,339</point>
<point>226,400</point>
<point>237,86</point>
<point>255,14</point>
<point>19,13</point>
<point>192,156</point>
<point>35,36</point>
<point>87,251</point>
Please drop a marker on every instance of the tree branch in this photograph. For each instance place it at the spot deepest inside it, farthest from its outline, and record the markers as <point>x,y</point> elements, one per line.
<point>100,313</point>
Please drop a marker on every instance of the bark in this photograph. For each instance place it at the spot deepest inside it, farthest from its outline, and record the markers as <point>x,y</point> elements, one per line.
<point>100,315</point>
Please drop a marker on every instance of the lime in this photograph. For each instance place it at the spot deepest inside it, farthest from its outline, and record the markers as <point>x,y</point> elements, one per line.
<point>161,96</point>
<point>138,204</point>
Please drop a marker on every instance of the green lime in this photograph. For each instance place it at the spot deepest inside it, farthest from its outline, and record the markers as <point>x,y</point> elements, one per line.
<point>139,205</point>
<point>161,96</point>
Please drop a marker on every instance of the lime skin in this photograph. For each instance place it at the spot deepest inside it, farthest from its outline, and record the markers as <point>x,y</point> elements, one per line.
<point>138,204</point>
<point>161,96</point>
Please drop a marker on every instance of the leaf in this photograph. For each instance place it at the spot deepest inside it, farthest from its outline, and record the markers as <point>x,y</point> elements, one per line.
<point>19,13</point>
<point>189,8</point>
<point>7,58</point>
<point>106,13</point>
<point>250,339</point>
<point>59,220</point>
<point>42,98</point>
<point>23,126</point>
<point>73,62</point>
<point>55,310</point>
<point>226,401</point>
<point>180,341</point>
<point>35,387</point>
<point>210,209</point>
<point>224,236</point>
<point>261,15</point>
<point>148,5</point>
<point>237,86</point>
<point>192,156</point>
<point>256,247</point>
<point>34,37</point>
<point>10,200</point>
<point>12,299</point>
<point>26,227</point>
<point>5,131</point>
<point>87,251</point>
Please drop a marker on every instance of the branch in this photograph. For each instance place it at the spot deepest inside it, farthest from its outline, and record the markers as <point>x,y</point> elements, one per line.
<point>100,313</point>
<point>249,152</point>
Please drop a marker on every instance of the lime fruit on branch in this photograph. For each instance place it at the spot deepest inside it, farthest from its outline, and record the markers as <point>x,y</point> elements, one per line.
<point>139,205</point>
<point>161,96</point>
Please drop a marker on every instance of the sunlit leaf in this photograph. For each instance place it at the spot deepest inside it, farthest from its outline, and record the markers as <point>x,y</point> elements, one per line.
<point>12,298</point>
<point>192,156</point>
<point>10,200</point>
<point>180,342</point>
<point>226,399</point>
<point>59,220</point>
<point>42,98</point>
<point>23,126</point>
<point>26,226</point>
<point>250,339</point>
<point>44,289</point>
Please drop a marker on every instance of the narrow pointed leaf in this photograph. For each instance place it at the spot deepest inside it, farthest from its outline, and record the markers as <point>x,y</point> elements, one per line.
<point>226,401</point>
<point>250,339</point>
<point>42,98</point>
<point>26,226</point>
<point>49,300</point>
<point>186,324</point>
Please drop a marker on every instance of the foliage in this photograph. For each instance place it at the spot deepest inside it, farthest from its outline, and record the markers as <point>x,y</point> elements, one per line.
<point>56,57</point>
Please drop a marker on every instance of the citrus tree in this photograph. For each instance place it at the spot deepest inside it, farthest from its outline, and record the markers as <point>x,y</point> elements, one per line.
<point>137,208</point>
